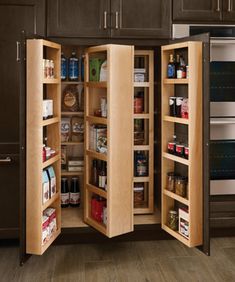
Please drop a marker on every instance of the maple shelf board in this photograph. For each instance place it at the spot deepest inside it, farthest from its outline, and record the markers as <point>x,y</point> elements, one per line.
<point>176,120</point>
<point>51,201</point>
<point>50,161</point>
<point>176,197</point>
<point>96,190</point>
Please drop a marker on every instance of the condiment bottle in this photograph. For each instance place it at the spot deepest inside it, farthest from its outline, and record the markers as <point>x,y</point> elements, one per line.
<point>171,67</point>
<point>171,145</point>
<point>74,196</point>
<point>64,193</point>
<point>94,173</point>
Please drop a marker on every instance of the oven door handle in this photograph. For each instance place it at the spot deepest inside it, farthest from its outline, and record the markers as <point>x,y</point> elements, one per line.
<point>229,6</point>
<point>218,6</point>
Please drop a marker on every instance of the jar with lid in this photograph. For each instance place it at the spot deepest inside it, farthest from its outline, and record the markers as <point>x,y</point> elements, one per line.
<point>180,186</point>
<point>171,182</point>
<point>173,220</point>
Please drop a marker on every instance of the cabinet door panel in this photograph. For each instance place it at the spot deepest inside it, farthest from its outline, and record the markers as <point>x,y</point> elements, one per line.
<point>141,19</point>
<point>77,18</point>
<point>197,11</point>
<point>229,11</point>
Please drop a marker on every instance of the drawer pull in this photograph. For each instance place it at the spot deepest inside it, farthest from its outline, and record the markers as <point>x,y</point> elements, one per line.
<point>6,160</point>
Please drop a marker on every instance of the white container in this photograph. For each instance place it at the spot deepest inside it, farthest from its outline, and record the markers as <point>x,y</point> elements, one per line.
<point>184,223</point>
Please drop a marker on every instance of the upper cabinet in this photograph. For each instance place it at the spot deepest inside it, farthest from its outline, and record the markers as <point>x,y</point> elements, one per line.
<point>229,11</point>
<point>141,19</point>
<point>105,19</point>
<point>216,11</point>
<point>78,18</point>
<point>197,11</point>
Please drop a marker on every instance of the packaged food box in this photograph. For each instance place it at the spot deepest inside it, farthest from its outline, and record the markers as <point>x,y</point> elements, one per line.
<point>65,129</point>
<point>52,179</point>
<point>184,222</point>
<point>95,66</point>
<point>51,214</point>
<point>45,229</point>
<point>45,187</point>
<point>76,162</point>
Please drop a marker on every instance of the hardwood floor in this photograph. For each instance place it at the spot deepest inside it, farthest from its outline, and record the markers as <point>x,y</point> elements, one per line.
<point>130,261</point>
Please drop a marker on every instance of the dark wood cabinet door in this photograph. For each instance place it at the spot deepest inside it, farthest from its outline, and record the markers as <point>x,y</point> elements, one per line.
<point>197,10</point>
<point>15,16</point>
<point>141,18</point>
<point>229,11</point>
<point>78,18</point>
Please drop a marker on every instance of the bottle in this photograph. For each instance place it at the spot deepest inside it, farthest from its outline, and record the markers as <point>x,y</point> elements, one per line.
<point>177,63</point>
<point>171,147</point>
<point>73,67</point>
<point>64,193</point>
<point>181,71</point>
<point>171,67</point>
<point>102,175</point>
<point>82,68</point>
<point>74,198</point>
<point>63,67</point>
<point>94,173</point>
<point>141,164</point>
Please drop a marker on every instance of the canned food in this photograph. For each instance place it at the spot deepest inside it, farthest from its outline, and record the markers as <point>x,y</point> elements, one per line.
<point>172,104</point>
<point>179,149</point>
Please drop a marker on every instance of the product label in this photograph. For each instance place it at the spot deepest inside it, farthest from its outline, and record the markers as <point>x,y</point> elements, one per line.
<point>64,198</point>
<point>179,101</point>
<point>63,68</point>
<point>73,68</point>
<point>102,181</point>
<point>179,149</point>
<point>45,192</point>
<point>141,170</point>
<point>171,71</point>
<point>53,186</point>
<point>171,146</point>
<point>179,74</point>
<point>74,198</point>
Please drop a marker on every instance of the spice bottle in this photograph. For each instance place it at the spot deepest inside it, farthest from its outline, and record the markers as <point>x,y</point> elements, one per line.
<point>171,145</point>
<point>171,67</point>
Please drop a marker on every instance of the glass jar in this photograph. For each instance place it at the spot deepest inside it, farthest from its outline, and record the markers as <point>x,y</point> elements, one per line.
<point>170,182</point>
<point>180,186</point>
<point>173,220</point>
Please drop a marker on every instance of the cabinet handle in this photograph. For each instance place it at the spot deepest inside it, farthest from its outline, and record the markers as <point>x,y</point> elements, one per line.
<point>105,19</point>
<point>6,160</point>
<point>116,20</point>
<point>229,6</point>
<point>17,51</point>
<point>218,6</point>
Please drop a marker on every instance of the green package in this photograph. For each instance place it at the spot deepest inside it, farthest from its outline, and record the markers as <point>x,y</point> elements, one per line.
<point>95,66</point>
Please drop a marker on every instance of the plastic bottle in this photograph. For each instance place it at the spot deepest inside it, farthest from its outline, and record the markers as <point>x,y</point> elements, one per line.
<point>73,67</point>
<point>63,67</point>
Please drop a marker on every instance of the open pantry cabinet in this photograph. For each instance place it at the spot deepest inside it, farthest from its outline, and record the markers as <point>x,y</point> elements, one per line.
<point>119,138</point>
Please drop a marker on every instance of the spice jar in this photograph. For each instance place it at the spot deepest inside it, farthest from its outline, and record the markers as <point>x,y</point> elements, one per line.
<point>171,146</point>
<point>171,182</point>
<point>186,151</point>
<point>180,186</point>
<point>173,220</point>
<point>139,103</point>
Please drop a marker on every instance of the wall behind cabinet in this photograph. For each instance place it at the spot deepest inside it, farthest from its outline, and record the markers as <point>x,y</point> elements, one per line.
<point>14,17</point>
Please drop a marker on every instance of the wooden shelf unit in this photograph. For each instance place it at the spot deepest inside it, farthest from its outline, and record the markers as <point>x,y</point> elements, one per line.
<point>193,127</point>
<point>148,118</point>
<point>118,91</point>
<point>37,50</point>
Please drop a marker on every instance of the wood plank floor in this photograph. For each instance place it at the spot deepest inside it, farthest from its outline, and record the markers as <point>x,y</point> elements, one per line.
<point>130,261</point>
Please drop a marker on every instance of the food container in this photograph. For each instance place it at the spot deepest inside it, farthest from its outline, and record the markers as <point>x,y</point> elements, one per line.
<point>179,101</point>
<point>172,105</point>
<point>138,193</point>
<point>103,106</point>
<point>65,129</point>
<point>139,138</point>
<point>45,229</point>
<point>171,181</point>
<point>186,151</point>
<point>179,150</point>
<point>184,108</point>
<point>77,129</point>
<point>173,220</point>
<point>171,147</point>
<point>184,222</point>
<point>45,187</point>
<point>139,74</point>
<point>51,214</point>
<point>138,104</point>
<point>181,186</point>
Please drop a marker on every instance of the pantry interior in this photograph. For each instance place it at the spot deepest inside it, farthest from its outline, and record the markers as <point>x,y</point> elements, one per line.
<point>129,132</point>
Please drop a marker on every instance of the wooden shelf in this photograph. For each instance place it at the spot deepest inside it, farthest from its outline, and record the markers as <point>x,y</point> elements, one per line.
<point>72,173</point>
<point>141,84</point>
<point>50,161</point>
<point>176,120</point>
<point>52,239</point>
<point>176,197</point>
<point>175,158</point>
<point>176,235</point>
<point>175,81</point>
<point>51,81</point>
<point>50,121</point>
<point>50,44</point>
<point>97,225</point>
<point>80,114</point>
<point>175,46</point>
<point>141,116</point>
<point>97,190</point>
<point>97,120</point>
<point>97,155</point>
<point>137,179</point>
<point>71,82</point>
<point>98,84</point>
<point>141,147</point>
<point>71,143</point>
<point>50,201</point>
